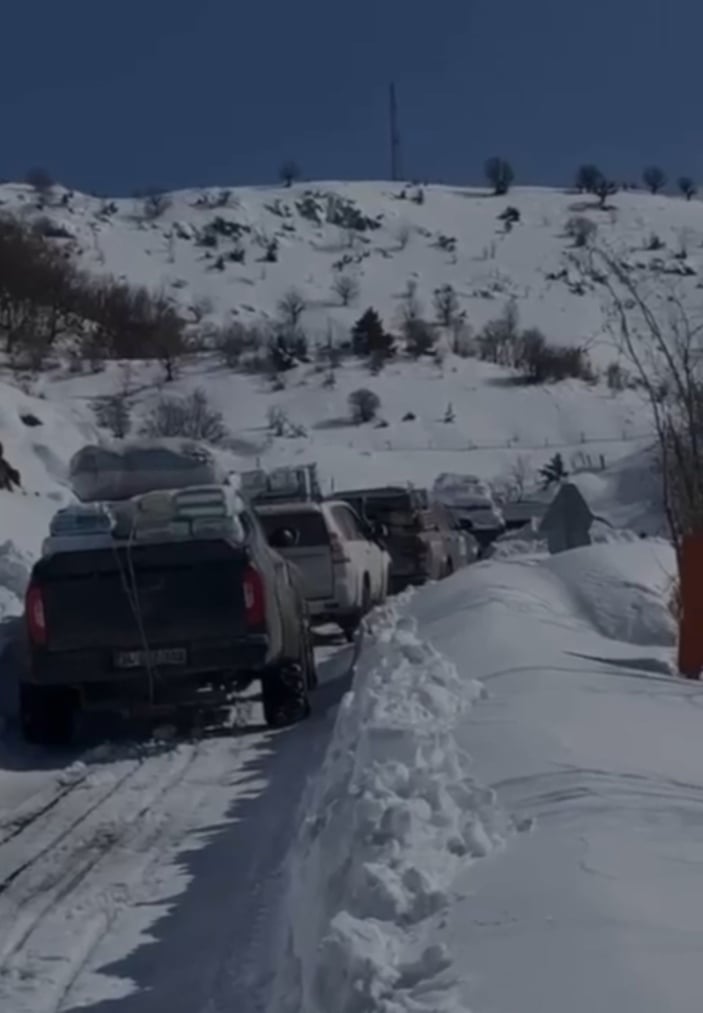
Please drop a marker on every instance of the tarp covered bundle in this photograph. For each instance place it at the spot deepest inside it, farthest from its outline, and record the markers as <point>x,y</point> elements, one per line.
<point>121,470</point>
<point>200,511</point>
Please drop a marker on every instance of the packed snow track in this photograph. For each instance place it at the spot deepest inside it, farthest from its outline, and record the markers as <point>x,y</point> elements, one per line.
<point>118,867</point>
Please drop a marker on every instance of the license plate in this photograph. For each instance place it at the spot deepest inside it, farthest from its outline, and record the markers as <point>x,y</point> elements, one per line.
<point>141,659</point>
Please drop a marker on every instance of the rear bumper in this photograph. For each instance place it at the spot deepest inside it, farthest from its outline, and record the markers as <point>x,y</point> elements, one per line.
<point>98,682</point>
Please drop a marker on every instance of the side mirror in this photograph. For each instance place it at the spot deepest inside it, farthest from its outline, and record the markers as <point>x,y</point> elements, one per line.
<point>283,538</point>
<point>380,530</point>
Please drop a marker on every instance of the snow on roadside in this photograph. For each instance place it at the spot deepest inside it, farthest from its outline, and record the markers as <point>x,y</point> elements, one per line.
<point>392,817</point>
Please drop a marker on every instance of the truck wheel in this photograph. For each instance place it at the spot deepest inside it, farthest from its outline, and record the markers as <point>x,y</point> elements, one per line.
<point>311,663</point>
<point>285,692</point>
<point>46,715</point>
<point>352,623</point>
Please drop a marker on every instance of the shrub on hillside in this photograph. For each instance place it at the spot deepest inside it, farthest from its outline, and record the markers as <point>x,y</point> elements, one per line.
<point>236,339</point>
<point>420,337</point>
<point>540,362</point>
<point>189,417</point>
<point>155,203</point>
<point>364,405</point>
<point>500,175</point>
<point>581,229</point>
<point>655,243</point>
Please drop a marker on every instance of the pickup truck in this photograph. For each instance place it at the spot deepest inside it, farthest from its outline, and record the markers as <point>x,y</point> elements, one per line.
<point>161,625</point>
<point>423,540</point>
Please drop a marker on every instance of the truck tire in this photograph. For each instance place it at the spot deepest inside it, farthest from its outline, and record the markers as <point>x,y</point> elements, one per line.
<point>352,623</point>
<point>285,689</point>
<point>47,715</point>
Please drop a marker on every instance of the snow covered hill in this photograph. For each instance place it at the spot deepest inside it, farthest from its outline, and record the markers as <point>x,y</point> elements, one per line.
<point>365,231</point>
<point>210,252</point>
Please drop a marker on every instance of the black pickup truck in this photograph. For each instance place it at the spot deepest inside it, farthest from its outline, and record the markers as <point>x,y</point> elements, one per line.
<point>161,625</point>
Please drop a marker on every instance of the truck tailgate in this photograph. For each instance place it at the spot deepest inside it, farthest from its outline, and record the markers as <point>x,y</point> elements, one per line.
<point>185,592</point>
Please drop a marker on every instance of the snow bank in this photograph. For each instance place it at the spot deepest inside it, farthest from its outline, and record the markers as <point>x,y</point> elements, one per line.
<point>622,591</point>
<point>584,732</point>
<point>391,818</point>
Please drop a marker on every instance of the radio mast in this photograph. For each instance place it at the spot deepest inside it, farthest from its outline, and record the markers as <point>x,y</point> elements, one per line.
<point>395,135</point>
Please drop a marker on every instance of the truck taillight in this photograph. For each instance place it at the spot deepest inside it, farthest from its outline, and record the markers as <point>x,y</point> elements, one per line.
<point>254,597</point>
<point>35,615</point>
<point>338,553</point>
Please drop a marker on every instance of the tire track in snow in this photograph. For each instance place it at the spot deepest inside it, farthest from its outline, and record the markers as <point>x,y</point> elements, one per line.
<point>48,887</point>
<point>37,838</point>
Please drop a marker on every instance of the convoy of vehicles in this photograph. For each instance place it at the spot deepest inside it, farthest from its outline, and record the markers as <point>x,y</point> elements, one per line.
<point>176,598</point>
<point>423,540</point>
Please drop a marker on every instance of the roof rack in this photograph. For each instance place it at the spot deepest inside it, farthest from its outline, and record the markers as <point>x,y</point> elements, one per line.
<point>281,485</point>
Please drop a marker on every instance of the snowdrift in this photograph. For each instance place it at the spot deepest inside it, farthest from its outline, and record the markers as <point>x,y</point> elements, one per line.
<point>507,714</point>
<point>388,821</point>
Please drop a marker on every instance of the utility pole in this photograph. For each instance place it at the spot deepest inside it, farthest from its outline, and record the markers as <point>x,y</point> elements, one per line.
<point>395,135</point>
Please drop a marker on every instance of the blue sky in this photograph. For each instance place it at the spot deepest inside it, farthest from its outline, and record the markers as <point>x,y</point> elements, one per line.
<point>114,96</point>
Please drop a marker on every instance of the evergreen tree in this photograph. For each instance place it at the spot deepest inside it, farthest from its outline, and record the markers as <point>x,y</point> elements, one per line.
<point>369,336</point>
<point>553,472</point>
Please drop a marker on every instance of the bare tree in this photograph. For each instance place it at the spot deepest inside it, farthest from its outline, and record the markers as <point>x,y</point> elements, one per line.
<point>291,306</point>
<point>605,188</point>
<point>587,178</point>
<point>654,178</point>
<point>289,172</point>
<point>521,476</point>
<point>346,287</point>
<point>446,305</point>
<point>500,175</point>
<point>664,344</point>
<point>112,412</point>
<point>687,187</point>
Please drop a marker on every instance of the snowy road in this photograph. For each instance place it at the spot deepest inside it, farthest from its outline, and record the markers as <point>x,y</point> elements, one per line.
<point>117,870</point>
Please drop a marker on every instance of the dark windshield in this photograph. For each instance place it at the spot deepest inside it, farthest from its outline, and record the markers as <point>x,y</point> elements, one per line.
<point>308,527</point>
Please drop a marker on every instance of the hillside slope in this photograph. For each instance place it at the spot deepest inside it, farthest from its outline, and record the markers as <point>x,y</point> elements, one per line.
<point>368,232</point>
<point>454,237</point>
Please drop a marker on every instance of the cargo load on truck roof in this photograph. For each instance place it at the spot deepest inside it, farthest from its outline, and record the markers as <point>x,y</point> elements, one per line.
<point>123,469</point>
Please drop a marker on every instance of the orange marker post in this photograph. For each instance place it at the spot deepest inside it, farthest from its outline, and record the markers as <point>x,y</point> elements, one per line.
<point>691,597</point>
